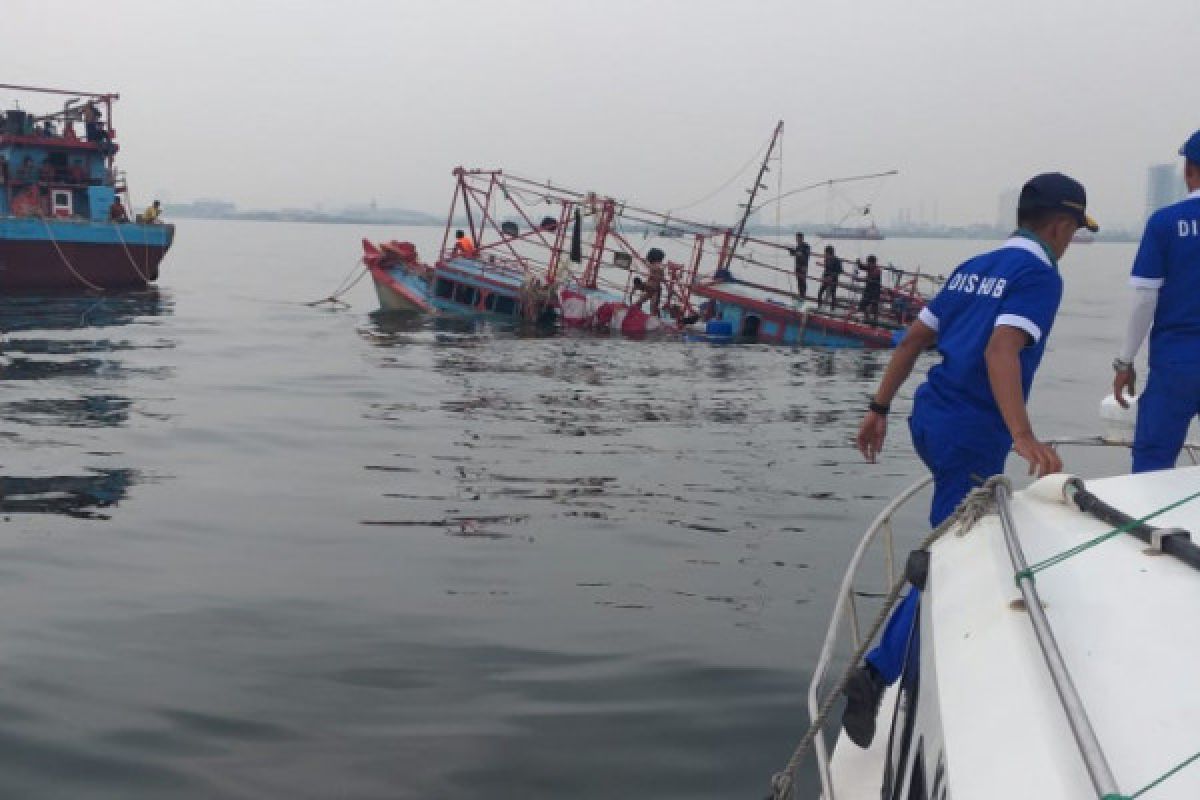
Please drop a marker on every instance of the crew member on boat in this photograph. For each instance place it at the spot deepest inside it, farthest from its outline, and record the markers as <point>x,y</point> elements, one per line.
<point>868,304</point>
<point>152,213</point>
<point>93,128</point>
<point>463,245</point>
<point>990,322</point>
<point>829,277</point>
<point>117,212</point>
<point>651,287</point>
<point>1166,285</point>
<point>801,253</point>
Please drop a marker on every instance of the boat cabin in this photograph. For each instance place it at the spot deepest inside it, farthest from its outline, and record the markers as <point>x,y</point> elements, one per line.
<point>59,164</point>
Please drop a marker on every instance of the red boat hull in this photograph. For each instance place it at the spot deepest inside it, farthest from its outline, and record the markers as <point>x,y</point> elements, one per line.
<point>35,265</point>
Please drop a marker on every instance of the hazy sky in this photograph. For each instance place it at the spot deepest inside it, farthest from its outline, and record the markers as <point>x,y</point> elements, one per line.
<point>273,103</point>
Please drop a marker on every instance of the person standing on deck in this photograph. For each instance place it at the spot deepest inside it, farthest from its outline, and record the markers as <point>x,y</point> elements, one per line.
<point>829,277</point>
<point>651,288</point>
<point>1166,285</point>
<point>868,304</point>
<point>990,323</point>
<point>801,253</point>
<point>152,213</point>
<point>117,212</point>
<point>463,245</point>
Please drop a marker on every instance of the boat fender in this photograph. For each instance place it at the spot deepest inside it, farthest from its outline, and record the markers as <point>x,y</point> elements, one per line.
<point>916,569</point>
<point>1056,488</point>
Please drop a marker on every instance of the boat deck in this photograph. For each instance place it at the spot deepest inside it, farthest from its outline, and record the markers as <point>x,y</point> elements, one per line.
<point>1124,619</point>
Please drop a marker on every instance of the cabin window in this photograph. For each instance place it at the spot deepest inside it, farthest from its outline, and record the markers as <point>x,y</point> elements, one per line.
<point>466,295</point>
<point>60,203</point>
<point>500,304</point>
<point>444,288</point>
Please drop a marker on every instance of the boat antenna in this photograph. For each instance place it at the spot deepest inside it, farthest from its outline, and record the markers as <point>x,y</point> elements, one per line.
<point>749,204</point>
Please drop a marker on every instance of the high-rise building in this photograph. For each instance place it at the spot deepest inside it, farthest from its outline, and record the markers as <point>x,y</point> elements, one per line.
<point>1164,185</point>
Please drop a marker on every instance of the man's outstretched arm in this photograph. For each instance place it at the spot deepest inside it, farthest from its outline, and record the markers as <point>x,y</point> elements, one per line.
<point>873,429</point>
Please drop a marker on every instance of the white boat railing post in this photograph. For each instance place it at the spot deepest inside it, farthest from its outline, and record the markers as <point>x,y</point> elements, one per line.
<point>1085,736</point>
<point>844,606</point>
<point>890,551</point>
<point>852,613</point>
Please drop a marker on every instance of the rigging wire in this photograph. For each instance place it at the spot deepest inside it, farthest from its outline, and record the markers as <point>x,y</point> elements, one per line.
<point>724,185</point>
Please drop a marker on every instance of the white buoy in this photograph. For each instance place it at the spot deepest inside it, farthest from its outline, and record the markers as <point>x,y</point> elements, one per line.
<point>1118,422</point>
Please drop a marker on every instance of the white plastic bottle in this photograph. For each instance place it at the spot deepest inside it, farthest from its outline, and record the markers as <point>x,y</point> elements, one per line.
<point>1118,422</point>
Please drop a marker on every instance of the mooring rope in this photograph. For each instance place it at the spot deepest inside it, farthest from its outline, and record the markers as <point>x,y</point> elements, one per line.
<point>66,261</point>
<point>143,275</point>
<point>335,298</point>
<point>972,507</point>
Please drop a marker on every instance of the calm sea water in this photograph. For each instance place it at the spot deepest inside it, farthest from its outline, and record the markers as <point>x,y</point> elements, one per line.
<point>252,548</point>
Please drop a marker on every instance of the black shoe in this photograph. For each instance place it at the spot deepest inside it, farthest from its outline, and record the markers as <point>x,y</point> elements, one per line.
<point>864,691</point>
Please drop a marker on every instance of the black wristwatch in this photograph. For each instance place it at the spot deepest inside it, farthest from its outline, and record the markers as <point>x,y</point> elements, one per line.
<point>1120,365</point>
<point>878,408</point>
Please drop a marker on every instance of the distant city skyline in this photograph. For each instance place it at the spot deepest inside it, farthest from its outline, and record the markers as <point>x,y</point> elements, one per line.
<point>1164,186</point>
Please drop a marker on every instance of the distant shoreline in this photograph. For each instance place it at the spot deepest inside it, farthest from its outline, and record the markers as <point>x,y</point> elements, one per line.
<point>421,220</point>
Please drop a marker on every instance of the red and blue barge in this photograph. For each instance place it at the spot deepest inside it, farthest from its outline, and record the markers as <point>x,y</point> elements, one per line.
<point>58,184</point>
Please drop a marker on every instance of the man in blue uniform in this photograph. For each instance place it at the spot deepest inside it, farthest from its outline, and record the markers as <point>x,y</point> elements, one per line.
<point>990,322</point>
<point>1166,286</point>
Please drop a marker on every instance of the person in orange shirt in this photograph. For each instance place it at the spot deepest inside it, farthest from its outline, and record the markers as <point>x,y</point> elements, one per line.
<point>463,245</point>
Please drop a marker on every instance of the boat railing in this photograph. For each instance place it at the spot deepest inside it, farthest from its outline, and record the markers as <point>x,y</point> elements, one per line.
<point>846,613</point>
<point>845,617</point>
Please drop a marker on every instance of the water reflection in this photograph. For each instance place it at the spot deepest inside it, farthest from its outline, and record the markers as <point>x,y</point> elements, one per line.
<point>67,364</point>
<point>72,495</point>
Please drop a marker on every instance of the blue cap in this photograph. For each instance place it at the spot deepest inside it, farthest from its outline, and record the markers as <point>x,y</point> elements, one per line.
<point>1054,191</point>
<point>1191,148</point>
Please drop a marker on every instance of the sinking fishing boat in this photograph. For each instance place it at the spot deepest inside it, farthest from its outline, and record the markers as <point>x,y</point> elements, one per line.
<point>516,271</point>
<point>59,228</point>
<point>1052,625</point>
<point>540,251</point>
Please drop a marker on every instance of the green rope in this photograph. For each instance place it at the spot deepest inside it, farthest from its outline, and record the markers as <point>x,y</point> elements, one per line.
<point>1029,571</point>
<point>1154,782</point>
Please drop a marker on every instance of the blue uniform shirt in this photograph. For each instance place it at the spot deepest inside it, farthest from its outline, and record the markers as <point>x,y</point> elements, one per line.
<point>1017,285</point>
<point>1169,259</point>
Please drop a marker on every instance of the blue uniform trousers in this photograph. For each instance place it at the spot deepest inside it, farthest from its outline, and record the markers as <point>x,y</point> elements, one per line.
<point>1165,410</point>
<point>956,470</point>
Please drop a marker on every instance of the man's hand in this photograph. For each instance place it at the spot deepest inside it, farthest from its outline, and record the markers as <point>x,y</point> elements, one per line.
<point>1041,457</point>
<point>1124,380</point>
<point>870,435</point>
